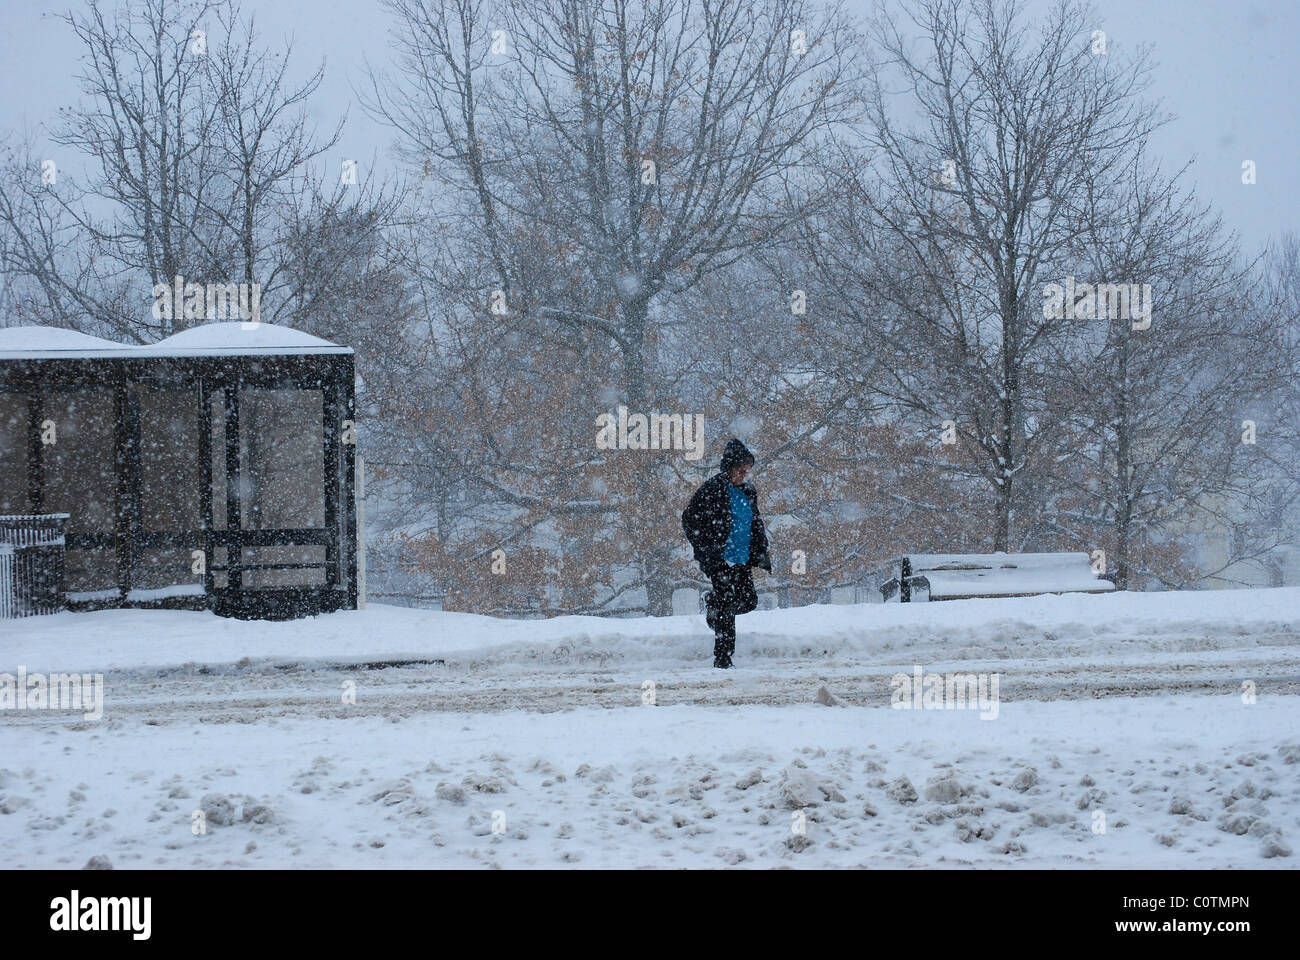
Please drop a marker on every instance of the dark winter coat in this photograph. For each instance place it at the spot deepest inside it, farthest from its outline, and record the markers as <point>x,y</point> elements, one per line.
<point>706,522</point>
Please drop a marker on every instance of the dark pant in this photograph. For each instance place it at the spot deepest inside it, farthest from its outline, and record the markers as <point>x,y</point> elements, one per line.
<point>732,594</point>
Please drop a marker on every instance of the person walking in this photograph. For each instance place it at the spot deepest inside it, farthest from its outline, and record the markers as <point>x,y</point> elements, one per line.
<point>724,529</point>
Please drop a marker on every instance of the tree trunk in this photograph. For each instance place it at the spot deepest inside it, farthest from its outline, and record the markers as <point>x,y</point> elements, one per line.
<point>655,557</point>
<point>1123,530</point>
<point>1008,426</point>
<point>658,584</point>
<point>1123,470</point>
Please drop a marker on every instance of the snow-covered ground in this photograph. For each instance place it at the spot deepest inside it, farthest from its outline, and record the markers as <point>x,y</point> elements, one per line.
<point>1122,738</point>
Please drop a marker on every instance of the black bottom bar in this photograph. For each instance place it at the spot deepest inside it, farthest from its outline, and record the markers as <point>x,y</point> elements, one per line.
<point>920,913</point>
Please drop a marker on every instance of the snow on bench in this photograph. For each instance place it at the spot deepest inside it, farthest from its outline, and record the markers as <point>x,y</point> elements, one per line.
<point>962,576</point>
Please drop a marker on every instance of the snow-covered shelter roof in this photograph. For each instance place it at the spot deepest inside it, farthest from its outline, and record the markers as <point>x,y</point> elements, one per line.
<point>56,341</point>
<point>210,340</point>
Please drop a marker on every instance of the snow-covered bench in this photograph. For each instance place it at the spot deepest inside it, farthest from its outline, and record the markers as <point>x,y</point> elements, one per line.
<point>961,576</point>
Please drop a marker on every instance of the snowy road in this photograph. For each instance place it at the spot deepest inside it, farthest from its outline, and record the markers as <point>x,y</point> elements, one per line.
<point>1122,738</point>
<point>251,693</point>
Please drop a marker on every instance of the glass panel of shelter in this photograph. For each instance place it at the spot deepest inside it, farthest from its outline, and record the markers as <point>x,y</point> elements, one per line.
<point>15,445</point>
<point>78,476</point>
<point>282,480</point>
<point>268,489</point>
<point>166,518</point>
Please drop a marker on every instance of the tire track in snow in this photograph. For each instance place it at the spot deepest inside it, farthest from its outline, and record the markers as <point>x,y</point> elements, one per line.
<point>252,695</point>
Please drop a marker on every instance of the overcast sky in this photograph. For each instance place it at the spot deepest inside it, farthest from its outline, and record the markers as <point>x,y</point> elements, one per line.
<point>1227,68</point>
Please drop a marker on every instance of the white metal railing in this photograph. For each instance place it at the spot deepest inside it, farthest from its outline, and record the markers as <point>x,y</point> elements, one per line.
<point>31,564</point>
<point>8,596</point>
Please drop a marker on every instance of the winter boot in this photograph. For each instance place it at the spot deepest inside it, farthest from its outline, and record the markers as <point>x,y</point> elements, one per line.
<point>723,648</point>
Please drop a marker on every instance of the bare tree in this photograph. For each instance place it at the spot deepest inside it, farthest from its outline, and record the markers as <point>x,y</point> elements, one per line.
<point>607,159</point>
<point>191,156</point>
<point>91,246</point>
<point>1157,407</point>
<point>968,189</point>
<point>266,150</point>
